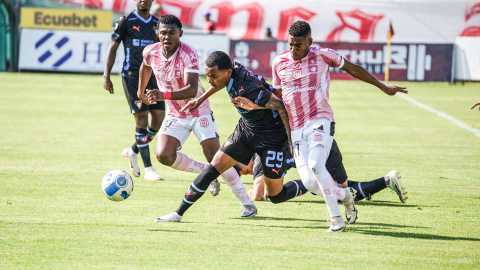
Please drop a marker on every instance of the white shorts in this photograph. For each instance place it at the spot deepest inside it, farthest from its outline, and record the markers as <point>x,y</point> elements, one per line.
<point>313,133</point>
<point>203,127</point>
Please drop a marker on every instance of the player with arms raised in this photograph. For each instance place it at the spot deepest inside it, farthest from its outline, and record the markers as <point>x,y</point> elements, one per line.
<point>301,76</point>
<point>175,66</point>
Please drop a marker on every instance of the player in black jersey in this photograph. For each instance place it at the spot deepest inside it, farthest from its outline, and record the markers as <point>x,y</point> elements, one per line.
<point>264,132</point>
<point>136,30</point>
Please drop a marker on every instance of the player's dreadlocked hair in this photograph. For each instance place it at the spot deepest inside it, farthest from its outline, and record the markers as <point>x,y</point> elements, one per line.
<point>300,29</point>
<point>220,59</point>
<point>170,19</point>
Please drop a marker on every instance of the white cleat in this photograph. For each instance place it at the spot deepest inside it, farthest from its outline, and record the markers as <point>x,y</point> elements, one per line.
<point>249,210</point>
<point>349,203</point>
<point>395,184</point>
<point>337,225</point>
<point>173,217</point>
<point>132,158</point>
<point>152,175</point>
<point>214,187</point>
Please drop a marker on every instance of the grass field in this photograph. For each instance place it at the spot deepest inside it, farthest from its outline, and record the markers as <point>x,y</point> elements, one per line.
<point>60,134</point>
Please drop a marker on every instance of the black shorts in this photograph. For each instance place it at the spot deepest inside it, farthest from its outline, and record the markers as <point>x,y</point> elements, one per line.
<point>242,145</point>
<point>130,85</point>
<point>334,164</point>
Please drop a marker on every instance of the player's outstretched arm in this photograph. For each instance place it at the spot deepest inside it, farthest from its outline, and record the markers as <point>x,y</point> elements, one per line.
<point>476,104</point>
<point>196,102</point>
<point>109,62</point>
<point>360,73</point>
<point>189,91</point>
<point>143,78</point>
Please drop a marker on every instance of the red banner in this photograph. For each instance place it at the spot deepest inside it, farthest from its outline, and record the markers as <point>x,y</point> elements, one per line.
<point>409,62</point>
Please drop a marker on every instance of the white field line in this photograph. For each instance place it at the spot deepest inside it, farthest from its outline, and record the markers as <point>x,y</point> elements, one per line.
<point>442,114</point>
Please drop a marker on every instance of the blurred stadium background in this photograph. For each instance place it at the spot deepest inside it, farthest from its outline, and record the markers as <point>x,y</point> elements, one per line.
<point>434,40</point>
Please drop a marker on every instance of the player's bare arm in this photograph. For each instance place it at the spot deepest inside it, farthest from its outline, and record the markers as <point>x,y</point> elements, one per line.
<point>143,77</point>
<point>274,103</point>
<point>360,73</point>
<point>196,102</point>
<point>109,62</point>
<point>189,91</point>
<point>476,104</point>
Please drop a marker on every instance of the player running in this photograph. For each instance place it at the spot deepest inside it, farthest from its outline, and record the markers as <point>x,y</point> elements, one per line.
<point>175,66</point>
<point>264,132</point>
<point>136,30</point>
<point>301,76</point>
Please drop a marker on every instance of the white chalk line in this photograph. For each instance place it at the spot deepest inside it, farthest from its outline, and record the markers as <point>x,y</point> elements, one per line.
<point>441,114</point>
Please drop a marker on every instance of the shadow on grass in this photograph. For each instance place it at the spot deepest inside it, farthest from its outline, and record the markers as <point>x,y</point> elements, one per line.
<point>166,230</point>
<point>425,236</point>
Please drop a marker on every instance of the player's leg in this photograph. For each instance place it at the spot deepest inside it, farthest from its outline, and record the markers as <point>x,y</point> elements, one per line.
<point>220,163</point>
<point>367,189</point>
<point>173,134</point>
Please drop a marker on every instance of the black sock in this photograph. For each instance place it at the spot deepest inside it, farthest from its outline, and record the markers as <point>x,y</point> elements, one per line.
<point>151,133</point>
<point>142,144</point>
<point>198,188</point>
<point>135,148</point>
<point>365,189</point>
<point>351,183</point>
<point>290,190</point>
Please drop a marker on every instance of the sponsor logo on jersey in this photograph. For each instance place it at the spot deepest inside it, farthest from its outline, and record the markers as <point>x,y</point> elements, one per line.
<point>277,171</point>
<point>297,65</point>
<point>136,42</point>
<point>136,28</point>
<point>204,122</point>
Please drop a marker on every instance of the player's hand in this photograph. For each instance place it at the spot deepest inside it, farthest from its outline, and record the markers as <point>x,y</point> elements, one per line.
<point>243,103</point>
<point>192,105</point>
<point>244,169</point>
<point>392,90</point>
<point>476,104</point>
<point>154,96</point>
<point>107,84</point>
<point>143,98</point>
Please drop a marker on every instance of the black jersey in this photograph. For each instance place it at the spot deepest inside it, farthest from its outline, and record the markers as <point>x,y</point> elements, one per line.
<point>136,33</point>
<point>243,83</point>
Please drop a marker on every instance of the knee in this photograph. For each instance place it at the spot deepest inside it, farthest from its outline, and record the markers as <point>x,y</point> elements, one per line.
<point>316,166</point>
<point>310,184</point>
<point>165,159</point>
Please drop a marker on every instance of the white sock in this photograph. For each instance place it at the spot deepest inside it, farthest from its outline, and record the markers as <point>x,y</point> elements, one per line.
<point>239,190</point>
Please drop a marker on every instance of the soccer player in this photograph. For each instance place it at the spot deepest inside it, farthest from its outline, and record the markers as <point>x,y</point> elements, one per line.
<point>301,76</point>
<point>175,66</point>
<point>263,131</point>
<point>334,165</point>
<point>136,30</point>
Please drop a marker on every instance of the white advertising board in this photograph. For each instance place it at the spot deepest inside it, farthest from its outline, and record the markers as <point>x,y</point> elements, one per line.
<point>420,21</point>
<point>467,58</point>
<point>64,50</point>
<point>205,44</point>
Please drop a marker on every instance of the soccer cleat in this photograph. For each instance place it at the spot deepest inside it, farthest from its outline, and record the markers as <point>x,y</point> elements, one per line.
<point>349,203</point>
<point>249,210</point>
<point>173,217</point>
<point>152,175</point>
<point>395,184</point>
<point>132,158</point>
<point>214,187</point>
<point>337,225</point>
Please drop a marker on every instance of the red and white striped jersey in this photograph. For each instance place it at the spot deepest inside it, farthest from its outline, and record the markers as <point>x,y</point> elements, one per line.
<point>170,75</point>
<point>305,84</point>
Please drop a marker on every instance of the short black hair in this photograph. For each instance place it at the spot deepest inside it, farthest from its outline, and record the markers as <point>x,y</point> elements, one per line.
<point>220,59</point>
<point>170,19</point>
<point>300,29</point>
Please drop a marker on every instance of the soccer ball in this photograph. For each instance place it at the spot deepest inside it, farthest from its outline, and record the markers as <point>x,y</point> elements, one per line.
<point>117,185</point>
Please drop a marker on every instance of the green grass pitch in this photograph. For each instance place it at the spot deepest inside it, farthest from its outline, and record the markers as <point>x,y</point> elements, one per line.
<point>60,134</point>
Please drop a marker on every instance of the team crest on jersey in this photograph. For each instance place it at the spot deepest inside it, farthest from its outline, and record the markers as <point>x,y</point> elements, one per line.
<point>178,74</point>
<point>166,76</point>
<point>317,137</point>
<point>297,74</point>
<point>313,69</point>
<point>138,103</point>
<point>204,122</point>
